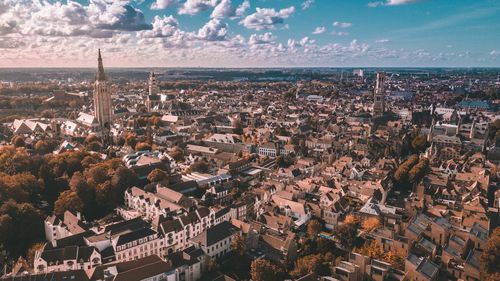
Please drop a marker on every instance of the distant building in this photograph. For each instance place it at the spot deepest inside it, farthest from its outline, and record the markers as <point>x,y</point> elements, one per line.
<point>379,96</point>
<point>102,96</point>
<point>153,96</point>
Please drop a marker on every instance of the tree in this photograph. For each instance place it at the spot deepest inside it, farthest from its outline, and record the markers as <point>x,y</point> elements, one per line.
<point>199,166</point>
<point>418,171</point>
<point>14,160</point>
<point>91,138</point>
<point>21,225</point>
<point>264,270</point>
<point>79,185</point>
<point>131,140</point>
<point>22,187</point>
<point>347,234</point>
<point>490,258</point>
<point>30,255</point>
<point>370,224</point>
<point>419,143</point>
<point>310,264</point>
<point>122,179</point>
<point>18,141</point>
<point>213,266</point>
<point>93,146</point>
<point>177,153</point>
<point>350,219</point>
<point>157,175</point>
<point>314,228</point>
<point>42,147</point>
<point>371,249</point>
<point>68,201</point>
<point>238,245</point>
<point>141,146</point>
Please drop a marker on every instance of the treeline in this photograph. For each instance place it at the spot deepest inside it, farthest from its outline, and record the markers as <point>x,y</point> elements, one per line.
<point>34,185</point>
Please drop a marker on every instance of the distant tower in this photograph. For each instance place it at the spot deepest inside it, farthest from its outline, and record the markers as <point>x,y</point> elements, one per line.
<point>379,106</point>
<point>102,96</point>
<point>154,89</point>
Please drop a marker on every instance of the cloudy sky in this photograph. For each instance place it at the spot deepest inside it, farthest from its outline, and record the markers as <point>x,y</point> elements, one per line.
<point>249,33</point>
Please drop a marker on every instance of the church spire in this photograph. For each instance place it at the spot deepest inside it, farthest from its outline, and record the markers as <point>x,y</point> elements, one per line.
<point>100,68</point>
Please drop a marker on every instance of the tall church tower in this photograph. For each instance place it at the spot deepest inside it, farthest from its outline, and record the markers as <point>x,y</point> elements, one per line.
<point>154,89</point>
<point>379,96</point>
<point>102,96</point>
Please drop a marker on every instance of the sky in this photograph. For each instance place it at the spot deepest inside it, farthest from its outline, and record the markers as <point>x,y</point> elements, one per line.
<point>250,33</point>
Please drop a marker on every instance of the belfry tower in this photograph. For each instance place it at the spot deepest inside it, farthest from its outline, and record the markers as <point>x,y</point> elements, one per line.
<point>102,96</point>
<point>379,95</point>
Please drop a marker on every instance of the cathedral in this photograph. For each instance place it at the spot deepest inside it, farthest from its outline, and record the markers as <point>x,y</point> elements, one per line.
<point>379,96</point>
<point>103,110</point>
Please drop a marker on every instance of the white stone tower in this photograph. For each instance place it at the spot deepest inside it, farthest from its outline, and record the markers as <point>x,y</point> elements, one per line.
<point>102,96</point>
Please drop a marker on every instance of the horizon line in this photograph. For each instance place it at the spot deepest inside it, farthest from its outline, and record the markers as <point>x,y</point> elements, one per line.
<point>243,67</point>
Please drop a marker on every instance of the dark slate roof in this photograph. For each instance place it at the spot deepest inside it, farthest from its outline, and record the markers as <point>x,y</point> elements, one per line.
<point>428,269</point>
<point>134,235</point>
<point>67,253</point>
<point>184,187</point>
<point>134,270</point>
<point>215,234</point>
<point>132,224</point>
<point>188,256</point>
<point>170,226</point>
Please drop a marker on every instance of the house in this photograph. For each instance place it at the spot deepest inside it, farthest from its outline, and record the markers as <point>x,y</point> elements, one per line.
<point>66,258</point>
<point>280,248</point>
<point>189,264</point>
<point>216,241</point>
<point>146,268</point>
<point>58,227</point>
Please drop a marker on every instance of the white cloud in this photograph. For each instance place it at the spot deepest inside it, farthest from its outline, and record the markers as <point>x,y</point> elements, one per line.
<point>225,10</point>
<point>399,2</point>
<point>242,8</point>
<point>342,24</point>
<point>495,53</point>
<point>162,27</point>
<point>193,7</point>
<point>98,19</point>
<point>214,30</point>
<point>391,3</point>
<point>265,18</point>
<point>382,41</point>
<point>265,38</point>
<point>319,30</point>
<point>164,4</point>
<point>307,4</point>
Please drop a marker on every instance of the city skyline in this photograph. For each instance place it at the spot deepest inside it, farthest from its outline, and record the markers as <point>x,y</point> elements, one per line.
<point>248,33</point>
